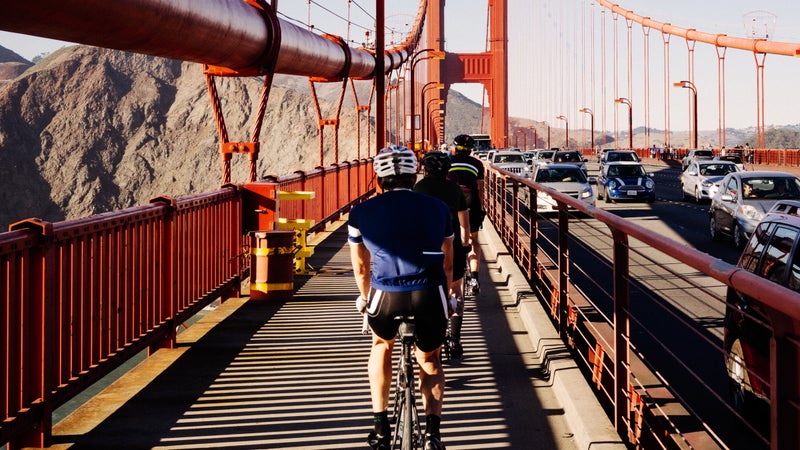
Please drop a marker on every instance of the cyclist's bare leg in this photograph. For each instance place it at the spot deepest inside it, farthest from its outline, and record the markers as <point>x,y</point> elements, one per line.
<point>380,373</point>
<point>474,255</point>
<point>431,380</point>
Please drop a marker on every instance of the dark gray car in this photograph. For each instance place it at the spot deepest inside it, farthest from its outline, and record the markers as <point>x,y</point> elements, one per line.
<point>744,198</point>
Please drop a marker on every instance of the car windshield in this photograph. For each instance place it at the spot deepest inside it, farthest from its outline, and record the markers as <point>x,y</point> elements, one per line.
<point>560,175</point>
<point>716,170</point>
<point>544,155</point>
<point>514,158</point>
<point>771,188</point>
<point>703,153</point>
<point>621,156</point>
<point>626,171</point>
<point>567,157</point>
<point>731,158</point>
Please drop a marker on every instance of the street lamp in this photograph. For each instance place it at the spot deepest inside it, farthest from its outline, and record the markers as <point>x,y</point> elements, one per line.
<point>427,112</point>
<point>433,54</point>
<point>690,85</point>
<point>630,119</point>
<point>566,124</point>
<point>591,115</point>
<point>535,136</point>
<point>524,137</point>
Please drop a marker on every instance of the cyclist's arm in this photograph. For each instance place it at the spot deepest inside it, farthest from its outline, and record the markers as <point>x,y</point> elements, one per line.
<point>447,249</point>
<point>360,258</point>
<point>463,220</point>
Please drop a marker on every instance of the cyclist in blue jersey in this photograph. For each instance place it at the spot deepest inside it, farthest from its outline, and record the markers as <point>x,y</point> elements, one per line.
<point>401,247</point>
<point>467,171</point>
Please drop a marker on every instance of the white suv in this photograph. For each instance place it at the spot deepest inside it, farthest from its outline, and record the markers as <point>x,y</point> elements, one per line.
<point>512,161</point>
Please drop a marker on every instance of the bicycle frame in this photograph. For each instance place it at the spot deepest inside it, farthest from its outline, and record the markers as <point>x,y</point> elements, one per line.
<point>405,408</point>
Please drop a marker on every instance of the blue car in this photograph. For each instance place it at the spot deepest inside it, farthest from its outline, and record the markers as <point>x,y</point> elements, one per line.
<point>625,180</point>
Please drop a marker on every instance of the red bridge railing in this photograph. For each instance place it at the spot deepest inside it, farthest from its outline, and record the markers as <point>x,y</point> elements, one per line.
<point>81,297</point>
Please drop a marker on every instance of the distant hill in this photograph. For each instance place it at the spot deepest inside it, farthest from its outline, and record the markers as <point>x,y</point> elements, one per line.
<point>12,65</point>
<point>89,130</point>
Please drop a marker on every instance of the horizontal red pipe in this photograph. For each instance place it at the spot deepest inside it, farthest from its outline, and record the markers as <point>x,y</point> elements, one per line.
<point>226,33</point>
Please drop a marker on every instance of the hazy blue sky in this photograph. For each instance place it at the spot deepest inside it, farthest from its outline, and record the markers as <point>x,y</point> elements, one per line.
<point>533,21</point>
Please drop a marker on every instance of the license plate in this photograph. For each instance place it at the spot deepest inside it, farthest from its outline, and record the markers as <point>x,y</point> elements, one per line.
<point>632,193</point>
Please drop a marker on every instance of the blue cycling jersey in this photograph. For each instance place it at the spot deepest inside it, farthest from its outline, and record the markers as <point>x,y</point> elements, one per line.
<point>404,232</point>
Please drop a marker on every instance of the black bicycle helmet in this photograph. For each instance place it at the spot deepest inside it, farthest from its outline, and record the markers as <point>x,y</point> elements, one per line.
<point>464,142</point>
<point>436,163</point>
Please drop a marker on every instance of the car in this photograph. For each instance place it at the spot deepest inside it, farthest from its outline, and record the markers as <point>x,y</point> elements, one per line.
<point>573,157</point>
<point>700,180</point>
<point>736,159</point>
<point>619,155</point>
<point>695,154</point>
<point>543,156</point>
<point>602,153</point>
<point>772,253</point>
<point>565,178</point>
<point>744,198</point>
<point>625,180</point>
<point>512,161</point>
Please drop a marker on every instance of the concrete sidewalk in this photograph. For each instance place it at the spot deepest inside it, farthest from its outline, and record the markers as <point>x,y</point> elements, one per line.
<point>591,426</point>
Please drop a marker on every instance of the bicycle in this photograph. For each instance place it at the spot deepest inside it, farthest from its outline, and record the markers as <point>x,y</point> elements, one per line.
<point>407,427</point>
<point>404,411</point>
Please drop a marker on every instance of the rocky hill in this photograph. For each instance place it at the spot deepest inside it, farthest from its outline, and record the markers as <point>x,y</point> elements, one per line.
<point>89,130</point>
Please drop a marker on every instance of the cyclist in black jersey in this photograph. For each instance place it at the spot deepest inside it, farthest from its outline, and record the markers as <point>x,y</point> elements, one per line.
<point>402,266</point>
<point>467,171</point>
<point>436,165</point>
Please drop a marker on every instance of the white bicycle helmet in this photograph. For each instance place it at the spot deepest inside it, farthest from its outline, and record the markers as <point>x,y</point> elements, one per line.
<point>395,160</point>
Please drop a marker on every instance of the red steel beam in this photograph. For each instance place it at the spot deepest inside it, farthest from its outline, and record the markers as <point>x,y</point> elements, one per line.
<point>225,33</point>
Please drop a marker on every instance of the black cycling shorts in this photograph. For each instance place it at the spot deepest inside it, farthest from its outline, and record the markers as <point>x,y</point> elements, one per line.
<point>428,306</point>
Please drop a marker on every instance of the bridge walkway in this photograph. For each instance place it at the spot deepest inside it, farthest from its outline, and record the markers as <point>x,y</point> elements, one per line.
<point>293,375</point>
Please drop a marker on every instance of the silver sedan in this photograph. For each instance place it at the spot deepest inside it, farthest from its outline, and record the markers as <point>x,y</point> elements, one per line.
<point>700,181</point>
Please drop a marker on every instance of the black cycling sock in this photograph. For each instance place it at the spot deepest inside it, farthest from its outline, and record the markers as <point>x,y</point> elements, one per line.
<point>473,274</point>
<point>432,422</point>
<point>382,423</point>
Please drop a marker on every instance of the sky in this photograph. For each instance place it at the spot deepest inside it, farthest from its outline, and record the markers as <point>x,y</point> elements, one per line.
<point>533,93</point>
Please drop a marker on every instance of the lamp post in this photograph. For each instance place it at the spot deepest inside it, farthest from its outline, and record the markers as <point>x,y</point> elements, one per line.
<point>433,124</point>
<point>630,119</point>
<point>689,85</point>
<point>524,137</point>
<point>433,54</point>
<point>566,124</point>
<point>427,112</point>
<point>591,115</point>
<point>535,137</point>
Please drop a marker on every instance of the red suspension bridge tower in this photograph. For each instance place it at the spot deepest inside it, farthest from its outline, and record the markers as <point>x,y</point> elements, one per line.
<point>489,68</point>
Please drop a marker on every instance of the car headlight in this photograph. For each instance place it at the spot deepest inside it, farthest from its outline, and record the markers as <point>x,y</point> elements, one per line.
<point>649,183</point>
<point>750,213</point>
<point>707,184</point>
<point>587,192</point>
<point>612,184</point>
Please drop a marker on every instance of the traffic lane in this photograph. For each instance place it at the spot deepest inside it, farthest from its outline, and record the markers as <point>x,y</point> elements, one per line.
<point>682,221</point>
<point>676,313</point>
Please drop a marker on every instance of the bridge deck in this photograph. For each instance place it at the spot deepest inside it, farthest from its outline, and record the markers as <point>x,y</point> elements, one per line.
<point>293,375</point>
